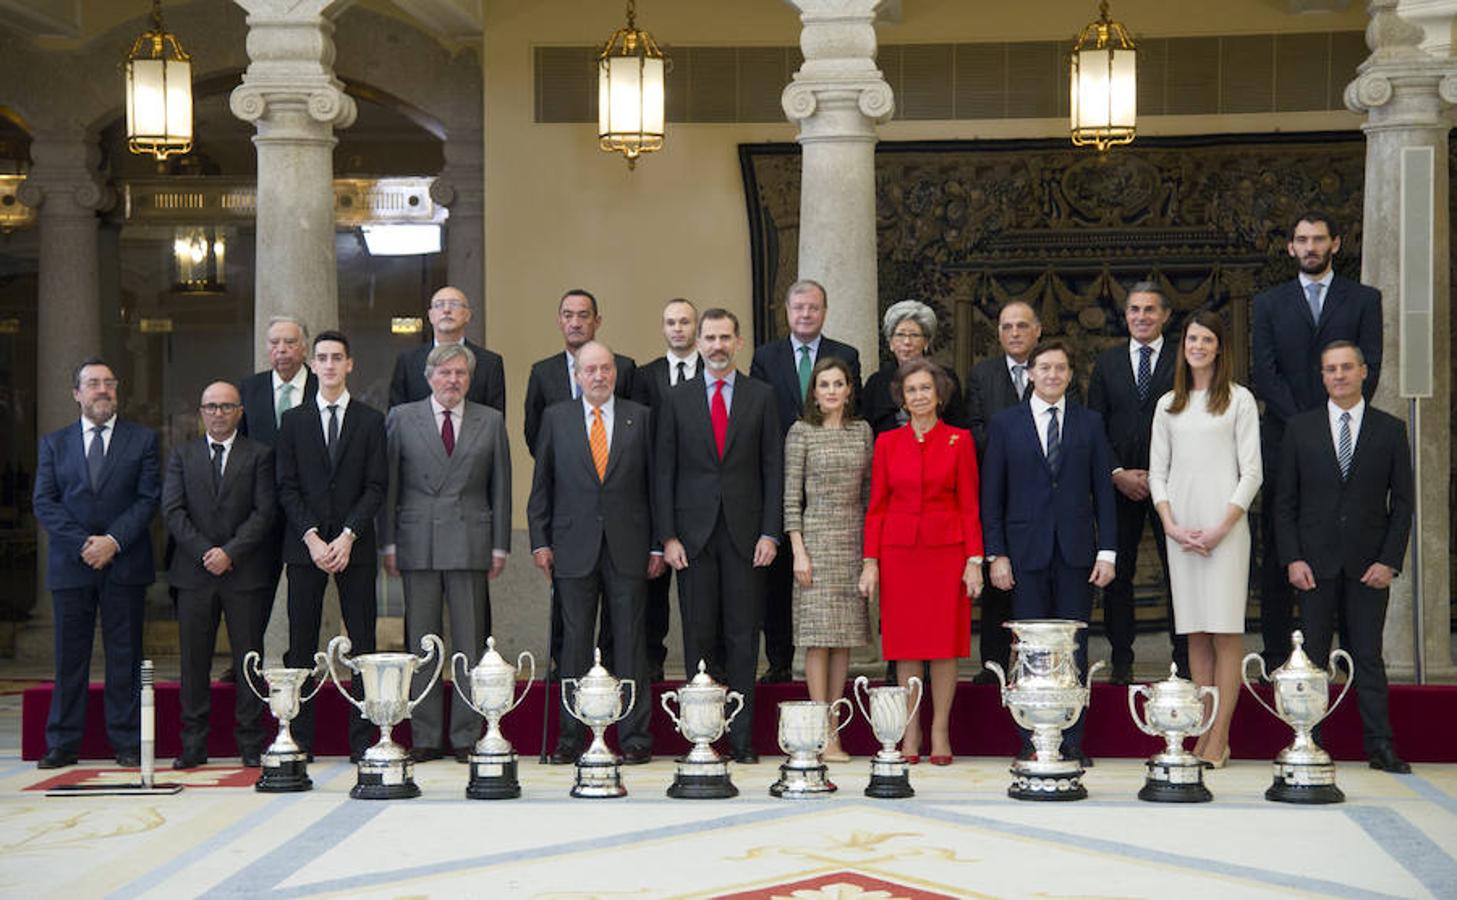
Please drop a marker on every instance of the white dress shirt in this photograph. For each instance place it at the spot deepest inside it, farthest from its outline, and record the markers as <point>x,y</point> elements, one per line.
<point>1324,281</point>
<point>1357,412</point>
<point>814,349</point>
<point>690,367</point>
<point>299,381</point>
<point>608,416</point>
<point>457,415</point>
<point>1153,358</point>
<point>87,435</point>
<point>342,403</point>
<point>227,448</point>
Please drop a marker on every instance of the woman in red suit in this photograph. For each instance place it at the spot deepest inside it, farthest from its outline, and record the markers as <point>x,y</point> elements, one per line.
<point>923,545</point>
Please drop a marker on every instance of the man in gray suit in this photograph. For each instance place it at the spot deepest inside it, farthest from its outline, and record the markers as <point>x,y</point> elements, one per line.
<point>446,527</point>
<point>591,527</point>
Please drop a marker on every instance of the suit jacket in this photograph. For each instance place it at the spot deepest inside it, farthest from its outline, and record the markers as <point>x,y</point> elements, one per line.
<point>1113,394</point>
<point>923,494</point>
<point>1287,343</point>
<point>989,390</point>
<point>121,506</point>
<point>1334,524</point>
<point>487,384</point>
<point>257,393</point>
<point>548,384</point>
<point>1025,506</point>
<point>446,512</point>
<point>315,495</point>
<point>878,408</point>
<point>774,363</point>
<point>239,517</point>
<point>693,484</point>
<point>571,510</point>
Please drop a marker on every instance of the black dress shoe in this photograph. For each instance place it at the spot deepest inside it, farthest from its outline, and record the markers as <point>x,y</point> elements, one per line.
<point>1121,675</point>
<point>636,756</point>
<point>746,757</point>
<point>186,761</point>
<point>462,754</point>
<point>1385,759</point>
<point>252,759</point>
<point>426,754</point>
<point>129,759</point>
<point>565,755</point>
<point>776,675</point>
<point>56,758</point>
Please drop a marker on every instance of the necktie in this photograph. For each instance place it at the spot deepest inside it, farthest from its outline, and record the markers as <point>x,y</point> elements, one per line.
<point>805,365</point>
<point>682,372</point>
<point>1019,379</point>
<point>1343,446</point>
<point>96,455</point>
<point>1312,297</point>
<point>1054,440</point>
<point>447,434</point>
<point>597,439</point>
<point>284,404</point>
<point>333,442</point>
<point>718,413</point>
<point>217,467</point>
<point>1145,353</point>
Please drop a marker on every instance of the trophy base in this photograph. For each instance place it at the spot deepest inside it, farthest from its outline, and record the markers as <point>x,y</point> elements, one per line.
<point>284,773</point>
<point>1170,782</point>
<point>1305,784</point>
<point>493,777</point>
<point>890,779</point>
<point>394,780</point>
<point>597,779</point>
<point>802,782</point>
<point>696,780</point>
<point>1052,782</point>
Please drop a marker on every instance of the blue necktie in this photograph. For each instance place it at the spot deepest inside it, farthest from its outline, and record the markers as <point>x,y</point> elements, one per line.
<point>1054,440</point>
<point>1312,297</point>
<point>1344,448</point>
<point>1144,372</point>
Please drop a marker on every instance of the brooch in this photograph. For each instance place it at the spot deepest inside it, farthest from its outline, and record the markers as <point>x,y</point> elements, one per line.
<point>951,441</point>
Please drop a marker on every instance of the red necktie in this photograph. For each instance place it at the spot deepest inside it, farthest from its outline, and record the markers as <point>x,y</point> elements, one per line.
<point>718,413</point>
<point>447,434</point>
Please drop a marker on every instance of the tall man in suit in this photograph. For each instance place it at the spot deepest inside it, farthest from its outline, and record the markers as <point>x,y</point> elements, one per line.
<point>1344,516</point>
<point>332,477</point>
<point>679,364</point>
<point>1128,380</point>
<point>96,488</point>
<point>219,503</point>
<point>450,312</point>
<point>446,528</point>
<point>1048,517</point>
<point>719,509</point>
<point>1293,321</point>
<point>786,364</point>
<point>591,530</point>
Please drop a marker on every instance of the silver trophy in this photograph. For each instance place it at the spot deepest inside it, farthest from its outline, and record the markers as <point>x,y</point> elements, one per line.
<point>1303,771</point>
<point>1173,710</point>
<point>804,730</point>
<point>492,695</point>
<point>386,771</point>
<point>596,701</point>
<point>285,763</point>
<point>702,774</point>
<point>888,715</point>
<point>1046,697</point>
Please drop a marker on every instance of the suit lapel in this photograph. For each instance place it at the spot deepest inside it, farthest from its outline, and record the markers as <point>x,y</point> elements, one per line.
<point>429,433</point>
<point>582,440</point>
<point>119,442</point>
<point>699,405</point>
<point>1297,293</point>
<point>790,371</point>
<point>1030,429</point>
<point>230,467</point>
<point>1334,295</point>
<point>735,411</point>
<point>622,431</point>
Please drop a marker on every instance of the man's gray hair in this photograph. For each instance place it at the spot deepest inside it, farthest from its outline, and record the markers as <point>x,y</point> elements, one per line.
<point>444,354</point>
<point>804,286</point>
<point>289,320</point>
<point>1150,287</point>
<point>918,312</point>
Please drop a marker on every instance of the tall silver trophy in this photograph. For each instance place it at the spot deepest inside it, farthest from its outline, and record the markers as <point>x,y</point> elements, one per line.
<point>886,709</point>
<point>1046,697</point>
<point>1304,772</point>
<point>492,695</point>
<point>596,701</point>
<point>386,771</point>
<point>804,730</point>
<point>285,763</point>
<point>1173,709</point>
<point>702,702</point>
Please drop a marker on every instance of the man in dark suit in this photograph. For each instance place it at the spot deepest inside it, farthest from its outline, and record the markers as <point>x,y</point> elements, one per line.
<point>786,364</point>
<point>594,470</point>
<point>650,388</point>
<point>1128,380</point>
<point>1344,515</point>
<point>450,312</point>
<point>219,503</point>
<point>96,488</point>
<point>332,478</point>
<point>719,509</point>
<point>1048,518</point>
<point>1292,322</point>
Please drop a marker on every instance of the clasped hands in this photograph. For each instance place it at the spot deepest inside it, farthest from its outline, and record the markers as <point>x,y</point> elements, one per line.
<point>331,556</point>
<point>1196,540</point>
<point>98,551</point>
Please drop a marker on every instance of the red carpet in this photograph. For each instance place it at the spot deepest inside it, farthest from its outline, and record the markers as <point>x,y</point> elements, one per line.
<point>1424,719</point>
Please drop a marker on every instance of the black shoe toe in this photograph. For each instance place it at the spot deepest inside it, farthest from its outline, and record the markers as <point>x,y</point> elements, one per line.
<point>56,759</point>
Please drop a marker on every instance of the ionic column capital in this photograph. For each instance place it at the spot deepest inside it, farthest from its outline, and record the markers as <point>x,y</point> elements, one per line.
<point>291,70</point>
<point>65,179</point>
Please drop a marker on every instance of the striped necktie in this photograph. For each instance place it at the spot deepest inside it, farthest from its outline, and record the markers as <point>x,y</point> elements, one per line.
<point>1344,446</point>
<point>597,439</point>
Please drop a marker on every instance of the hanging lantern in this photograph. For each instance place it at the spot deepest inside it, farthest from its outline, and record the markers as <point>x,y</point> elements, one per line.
<point>158,92</point>
<point>200,258</point>
<point>1103,89</point>
<point>630,72</point>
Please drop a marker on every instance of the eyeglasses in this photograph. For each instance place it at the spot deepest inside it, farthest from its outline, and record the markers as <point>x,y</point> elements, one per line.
<point>907,336</point>
<point>214,409</point>
<point>448,304</point>
<point>92,384</point>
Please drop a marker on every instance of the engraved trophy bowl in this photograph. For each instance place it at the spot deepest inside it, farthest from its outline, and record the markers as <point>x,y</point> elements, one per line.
<point>492,681</point>
<point>285,763</point>
<point>804,730</point>
<point>595,700</point>
<point>1304,772</point>
<point>702,774</point>
<point>1174,709</point>
<point>889,712</point>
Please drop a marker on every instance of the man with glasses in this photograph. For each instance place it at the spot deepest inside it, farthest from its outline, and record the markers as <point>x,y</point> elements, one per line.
<point>450,312</point>
<point>96,488</point>
<point>219,504</point>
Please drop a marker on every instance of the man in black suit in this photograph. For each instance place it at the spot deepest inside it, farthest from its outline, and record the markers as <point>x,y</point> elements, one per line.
<point>650,388</point>
<point>219,503</point>
<point>785,365</point>
<point>1128,380</point>
<point>332,477</point>
<point>1343,518</point>
<point>96,488</point>
<point>1292,322</point>
<point>719,509</point>
<point>450,312</point>
<point>593,470</point>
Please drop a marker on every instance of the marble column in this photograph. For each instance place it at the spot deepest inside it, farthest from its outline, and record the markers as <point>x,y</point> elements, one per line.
<point>459,187</point>
<point>838,96</point>
<point>1406,93</point>
<point>291,96</point>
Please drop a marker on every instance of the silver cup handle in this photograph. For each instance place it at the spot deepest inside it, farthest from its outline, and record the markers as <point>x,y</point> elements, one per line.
<point>1213,693</point>
<point>1134,690</point>
<point>631,685</point>
<point>663,702</point>
<point>1350,680</point>
<point>572,683</point>
<point>849,713</point>
<point>526,655</point>
<point>732,696</point>
<point>1244,675</point>
<point>1001,677</point>
<point>434,649</point>
<point>339,646</point>
<point>464,660</point>
<point>920,692</point>
<point>251,670</point>
<point>861,683</point>
<point>1092,670</point>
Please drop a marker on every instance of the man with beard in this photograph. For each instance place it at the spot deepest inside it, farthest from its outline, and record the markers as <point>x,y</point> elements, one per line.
<point>1294,322</point>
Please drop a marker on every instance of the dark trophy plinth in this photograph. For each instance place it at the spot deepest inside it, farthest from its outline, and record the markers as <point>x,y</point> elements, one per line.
<point>889,780</point>
<point>493,777</point>
<point>385,779</point>
<point>284,773</point>
<point>702,781</point>
<point>1174,782</point>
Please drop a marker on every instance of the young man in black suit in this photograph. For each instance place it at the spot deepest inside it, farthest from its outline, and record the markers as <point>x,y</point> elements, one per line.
<point>450,312</point>
<point>719,509</point>
<point>332,476</point>
<point>1128,380</point>
<point>1344,515</point>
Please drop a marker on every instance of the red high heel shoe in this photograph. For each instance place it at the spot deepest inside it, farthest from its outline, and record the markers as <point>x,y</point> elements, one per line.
<point>937,760</point>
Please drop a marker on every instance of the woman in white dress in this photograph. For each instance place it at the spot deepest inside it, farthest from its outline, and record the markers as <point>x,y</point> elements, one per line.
<point>1203,474</point>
